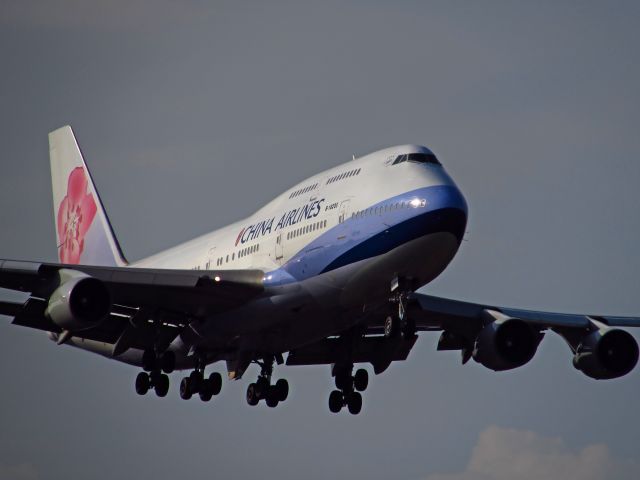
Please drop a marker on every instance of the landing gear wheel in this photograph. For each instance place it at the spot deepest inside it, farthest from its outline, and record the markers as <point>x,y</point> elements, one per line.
<point>168,362</point>
<point>185,388</point>
<point>282,389</point>
<point>343,381</point>
<point>354,403</point>
<point>142,383</point>
<point>336,401</point>
<point>390,327</point>
<point>148,360</point>
<point>161,385</point>
<point>361,380</point>
<point>196,379</point>
<point>262,387</point>
<point>215,382</point>
<point>272,397</point>
<point>252,397</point>
<point>206,391</point>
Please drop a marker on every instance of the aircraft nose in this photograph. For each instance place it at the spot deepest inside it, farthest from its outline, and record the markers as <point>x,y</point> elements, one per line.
<point>454,199</point>
<point>449,207</point>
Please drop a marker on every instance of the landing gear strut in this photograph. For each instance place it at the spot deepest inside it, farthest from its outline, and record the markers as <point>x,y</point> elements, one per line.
<point>262,388</point>
<point>197,383</point>
<point>155,379</point>
<point>398,324</point>
<point>348,389</point>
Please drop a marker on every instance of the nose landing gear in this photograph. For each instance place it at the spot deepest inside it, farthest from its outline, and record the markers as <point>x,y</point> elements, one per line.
<point>398,324</point>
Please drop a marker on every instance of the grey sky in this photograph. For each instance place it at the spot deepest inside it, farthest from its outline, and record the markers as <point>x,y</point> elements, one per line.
<point>191,115</point>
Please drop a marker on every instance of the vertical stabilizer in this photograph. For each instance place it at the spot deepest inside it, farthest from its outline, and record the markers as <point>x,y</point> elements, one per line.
<point>83,232</point>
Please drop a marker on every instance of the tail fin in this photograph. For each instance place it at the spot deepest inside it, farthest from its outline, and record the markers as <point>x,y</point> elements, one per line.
<point>83,232</point>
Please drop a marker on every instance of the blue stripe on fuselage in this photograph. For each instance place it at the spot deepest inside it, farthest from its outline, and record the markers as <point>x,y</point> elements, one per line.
<point>365,236</point>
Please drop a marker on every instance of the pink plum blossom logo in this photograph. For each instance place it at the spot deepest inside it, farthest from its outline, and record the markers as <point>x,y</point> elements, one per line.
<point>75,215</point>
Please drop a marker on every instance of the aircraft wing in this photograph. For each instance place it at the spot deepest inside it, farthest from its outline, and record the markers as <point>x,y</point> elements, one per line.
<point>437,313</point>
<point>145,305</point>
<point>502,338</point>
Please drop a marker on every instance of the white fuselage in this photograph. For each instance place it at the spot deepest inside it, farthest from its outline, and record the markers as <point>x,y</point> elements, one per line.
<point>330,247</point>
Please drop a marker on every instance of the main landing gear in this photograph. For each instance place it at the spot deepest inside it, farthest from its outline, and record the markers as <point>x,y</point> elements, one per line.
<point>398,324</point>
<point>155,378</point>
<point>348,389</point>
<point>196,382</point>
<point>262,388</point>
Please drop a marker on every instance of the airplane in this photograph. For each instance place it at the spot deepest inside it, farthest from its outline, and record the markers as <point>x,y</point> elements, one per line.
<point>324,274</point>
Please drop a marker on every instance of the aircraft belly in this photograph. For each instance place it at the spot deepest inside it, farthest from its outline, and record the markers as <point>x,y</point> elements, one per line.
<point>422,260</point>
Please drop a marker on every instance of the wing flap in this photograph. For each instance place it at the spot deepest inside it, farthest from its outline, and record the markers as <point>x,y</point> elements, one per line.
<point>19,275</point>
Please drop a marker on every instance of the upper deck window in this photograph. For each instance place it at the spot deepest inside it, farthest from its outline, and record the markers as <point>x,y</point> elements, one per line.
<point>417,158</point>
<point>343,175</point>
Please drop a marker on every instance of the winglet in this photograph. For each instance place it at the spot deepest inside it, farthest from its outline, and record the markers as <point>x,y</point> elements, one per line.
<point>83,232</point>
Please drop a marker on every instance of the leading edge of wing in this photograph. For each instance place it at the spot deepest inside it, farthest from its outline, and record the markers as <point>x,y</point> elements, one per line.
<point>25,275</point>
<point>192,292</point>
<point>437,312</point>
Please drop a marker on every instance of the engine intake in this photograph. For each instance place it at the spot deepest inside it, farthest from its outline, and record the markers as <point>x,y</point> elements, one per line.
<point>505,343</point>
<point>79,303</point>
<point>605,354</point>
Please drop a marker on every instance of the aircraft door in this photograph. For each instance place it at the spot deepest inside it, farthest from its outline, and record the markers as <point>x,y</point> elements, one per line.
<point>211,259</point>
<point>279,248</point>
<point>343,213</point>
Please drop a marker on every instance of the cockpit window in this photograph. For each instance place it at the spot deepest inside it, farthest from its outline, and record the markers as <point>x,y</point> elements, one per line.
<point>417,158</point>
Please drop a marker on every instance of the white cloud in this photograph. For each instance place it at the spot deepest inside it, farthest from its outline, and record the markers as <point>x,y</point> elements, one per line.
<point>22,471</point>
<point>508,454</point>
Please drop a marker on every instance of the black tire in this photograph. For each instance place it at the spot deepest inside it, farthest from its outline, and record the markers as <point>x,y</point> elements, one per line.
<point>343,381</point>
<point>262,387</point>
<point>154,377</point>
<point>282,389</point>
<point>185,388</point>
<point>206,390</point>
<point>162,385</point>
<point>196,380</point>
<point>168,362</point>
<point>361,380</point>
<point>272,397</point>
<point>148,360</point>
<point>354,403</point>
<point>336,401</point>
<point>215,381</point>
<point>252,397</point>
<point>390,327</point>
<point>142,383</point>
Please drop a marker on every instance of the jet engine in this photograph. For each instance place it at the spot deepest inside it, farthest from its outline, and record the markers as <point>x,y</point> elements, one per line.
<point>79,303</point>
<point>505,343</point>
<point>606,353</point>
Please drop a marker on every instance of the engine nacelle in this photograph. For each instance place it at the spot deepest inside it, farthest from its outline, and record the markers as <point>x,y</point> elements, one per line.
<point>606,353</point>
<point>505,343</point>
<point>79,303</point>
